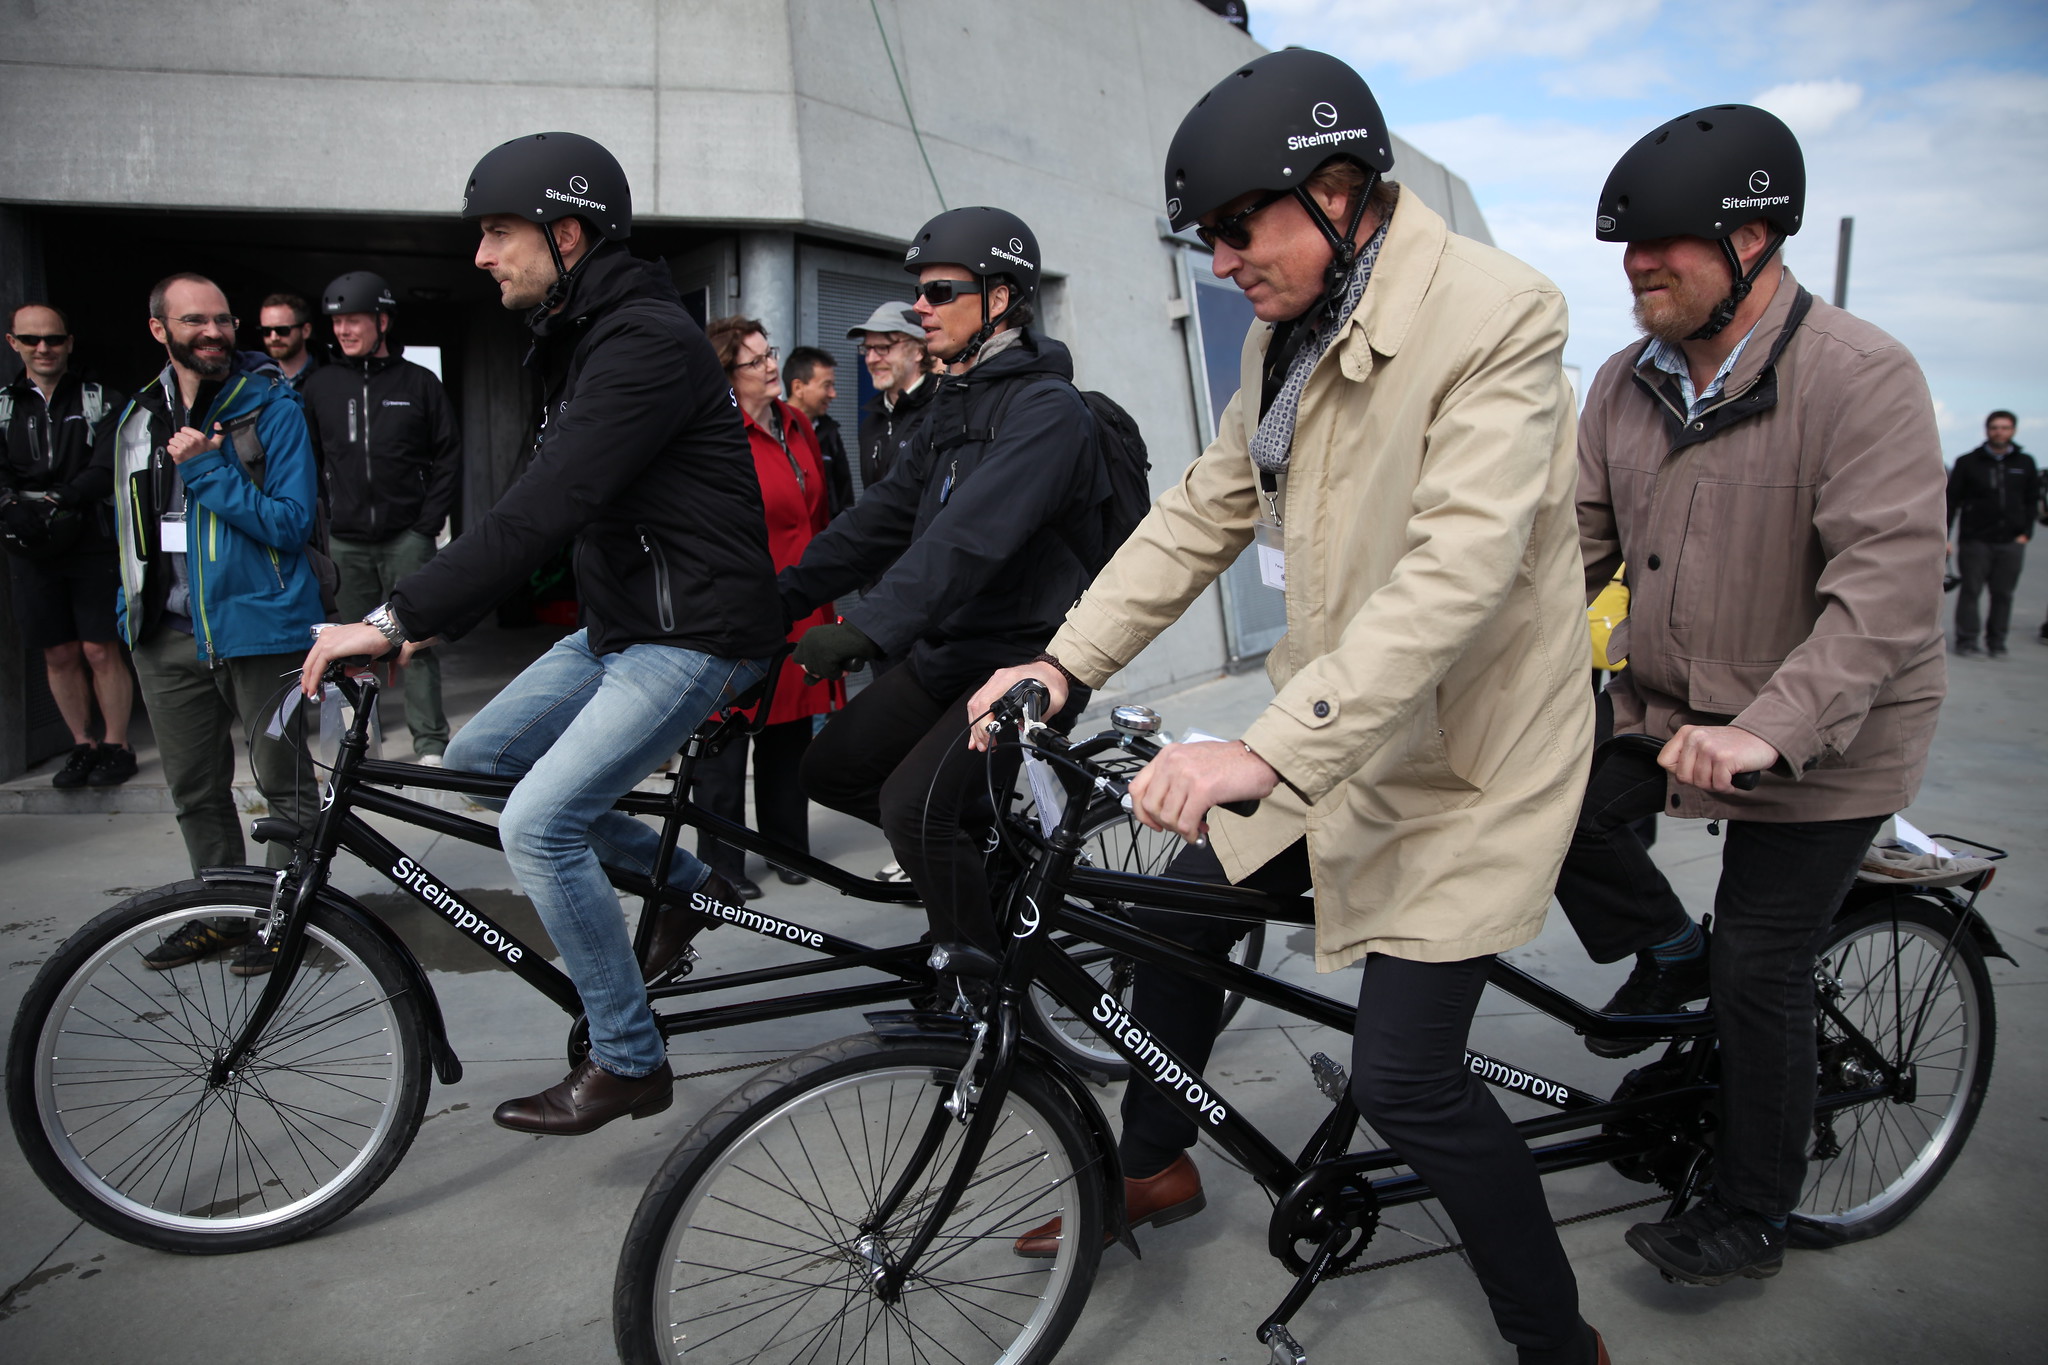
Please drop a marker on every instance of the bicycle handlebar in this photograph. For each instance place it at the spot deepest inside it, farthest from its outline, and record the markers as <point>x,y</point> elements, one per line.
<point>1024,706</point>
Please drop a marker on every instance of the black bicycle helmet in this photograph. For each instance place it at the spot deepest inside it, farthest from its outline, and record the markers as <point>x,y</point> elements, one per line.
<point>357,292</point>
<point>985,242</point>
<point>1705,174</point>
<point>545,176</point>
<point>1267,126</point>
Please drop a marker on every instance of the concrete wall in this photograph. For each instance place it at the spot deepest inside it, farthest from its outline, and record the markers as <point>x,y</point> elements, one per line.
<point>776,118</point>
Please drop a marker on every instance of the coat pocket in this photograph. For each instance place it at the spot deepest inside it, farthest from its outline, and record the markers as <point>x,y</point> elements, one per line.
<point>1745,545</point>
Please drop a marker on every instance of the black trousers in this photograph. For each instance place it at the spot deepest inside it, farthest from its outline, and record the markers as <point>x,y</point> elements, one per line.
<point>781,810</point>
<point>1409,1079</point>
<point>897,757</point>
<point>1780,887</point>
<point>1982,564</point>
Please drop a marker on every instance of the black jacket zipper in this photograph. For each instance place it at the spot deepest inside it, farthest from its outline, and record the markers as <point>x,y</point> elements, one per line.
<point>664,605</point>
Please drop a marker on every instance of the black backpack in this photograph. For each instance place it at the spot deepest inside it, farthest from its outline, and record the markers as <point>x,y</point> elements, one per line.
<point>1124,460</point>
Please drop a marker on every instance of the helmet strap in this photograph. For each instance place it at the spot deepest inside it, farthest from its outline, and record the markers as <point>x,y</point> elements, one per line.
<point>558,292</point>
<point>1343,249</point>
<point>1743,282</point>
<point>988,326</point>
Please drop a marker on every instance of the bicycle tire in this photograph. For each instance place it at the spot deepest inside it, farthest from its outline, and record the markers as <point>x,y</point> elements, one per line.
<point>1889,968</point>
<point>107,1079</point>
<point>819,1138</point>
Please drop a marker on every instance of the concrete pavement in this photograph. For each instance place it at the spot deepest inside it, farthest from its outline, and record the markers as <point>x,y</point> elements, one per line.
<point>485,1245</point>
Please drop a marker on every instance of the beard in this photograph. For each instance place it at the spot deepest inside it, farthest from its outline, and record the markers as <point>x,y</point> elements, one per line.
<point>210,364</point>
<point>1681,309</point>
<point>283,350</point>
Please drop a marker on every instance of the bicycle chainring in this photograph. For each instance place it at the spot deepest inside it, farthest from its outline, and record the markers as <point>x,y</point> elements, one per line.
<point>1672,1141</point>
<point>1319,1204</point>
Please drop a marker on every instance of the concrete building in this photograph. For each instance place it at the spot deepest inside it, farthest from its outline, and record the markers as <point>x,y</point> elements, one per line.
<point>781,152</point>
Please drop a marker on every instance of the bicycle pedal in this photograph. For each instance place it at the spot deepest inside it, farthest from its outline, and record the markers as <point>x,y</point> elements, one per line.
<point>1330,1077</point>
<point>1286,1350</point>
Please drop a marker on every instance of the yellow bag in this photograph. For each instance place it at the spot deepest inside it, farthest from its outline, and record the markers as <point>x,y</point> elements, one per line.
<point>1608,611</point>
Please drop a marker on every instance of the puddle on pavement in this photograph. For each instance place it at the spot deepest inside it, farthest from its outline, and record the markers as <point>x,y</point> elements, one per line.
<point>441,947</point>
<point>15,1300</point>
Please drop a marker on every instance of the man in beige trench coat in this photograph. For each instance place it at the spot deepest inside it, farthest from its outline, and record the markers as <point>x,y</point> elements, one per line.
<point>1402,442</point>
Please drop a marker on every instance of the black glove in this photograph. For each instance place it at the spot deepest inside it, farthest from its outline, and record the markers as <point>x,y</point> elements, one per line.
<point>827,651</point>
<point>24,521</point>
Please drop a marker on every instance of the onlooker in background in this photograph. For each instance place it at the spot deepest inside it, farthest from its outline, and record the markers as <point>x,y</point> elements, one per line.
<point>60,540</point>
<point>213,454</point>
<point>1996,491</point>
<point>286,325</point>
<point>812,390</point>
<point>794,499</point>
<point>393,461</point>
<point>892,347</point>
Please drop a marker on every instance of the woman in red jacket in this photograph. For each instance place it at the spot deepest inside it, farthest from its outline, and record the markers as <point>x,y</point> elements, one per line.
<point>793,496</point>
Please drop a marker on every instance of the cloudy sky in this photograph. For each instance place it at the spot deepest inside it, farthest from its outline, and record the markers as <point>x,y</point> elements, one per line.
<point>1925,120</point>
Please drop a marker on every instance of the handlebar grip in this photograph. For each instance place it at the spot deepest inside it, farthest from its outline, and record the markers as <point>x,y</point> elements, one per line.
<point>1028,699</point>
<point>1240,807</point>
<point>1746,782</point>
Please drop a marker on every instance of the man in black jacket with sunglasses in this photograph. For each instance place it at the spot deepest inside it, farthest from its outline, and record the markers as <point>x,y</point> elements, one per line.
<point>981,537</point>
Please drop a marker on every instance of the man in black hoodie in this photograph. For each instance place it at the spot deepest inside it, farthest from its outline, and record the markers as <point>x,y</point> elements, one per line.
<point>640,459</point>
<point>392,462</point>
<point>982,536</point>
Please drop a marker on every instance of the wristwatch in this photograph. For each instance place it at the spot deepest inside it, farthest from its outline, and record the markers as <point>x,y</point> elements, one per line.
<point>385,621</point>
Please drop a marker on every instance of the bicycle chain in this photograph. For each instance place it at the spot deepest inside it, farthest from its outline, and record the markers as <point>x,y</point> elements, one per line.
<point>1460,1246</point>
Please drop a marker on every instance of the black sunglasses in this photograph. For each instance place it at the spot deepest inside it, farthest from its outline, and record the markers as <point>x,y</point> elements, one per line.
<point>939,293</point>
<point>284,331</point>
<point>1232,231</point>
<point>31,340</point>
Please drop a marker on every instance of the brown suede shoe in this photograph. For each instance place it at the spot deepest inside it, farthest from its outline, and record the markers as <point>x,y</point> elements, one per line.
<point>586,1100</point>
<point>676,926</point>
<point>1175,1193</point>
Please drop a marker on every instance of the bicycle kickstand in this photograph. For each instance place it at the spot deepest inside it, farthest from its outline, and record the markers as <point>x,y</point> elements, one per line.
<point>1273,1331</point>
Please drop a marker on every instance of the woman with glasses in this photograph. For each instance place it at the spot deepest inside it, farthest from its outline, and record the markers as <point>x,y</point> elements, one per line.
<point>794,497</point>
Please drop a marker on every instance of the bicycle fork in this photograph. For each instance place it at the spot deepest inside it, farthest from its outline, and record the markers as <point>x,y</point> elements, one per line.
<point>888,1275</point>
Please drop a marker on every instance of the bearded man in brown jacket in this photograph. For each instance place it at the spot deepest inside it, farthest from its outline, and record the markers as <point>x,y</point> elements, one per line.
<point>1768,468</point>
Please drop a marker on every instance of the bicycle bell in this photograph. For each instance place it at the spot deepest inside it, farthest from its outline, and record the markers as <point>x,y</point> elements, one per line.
<point>1135,720</point>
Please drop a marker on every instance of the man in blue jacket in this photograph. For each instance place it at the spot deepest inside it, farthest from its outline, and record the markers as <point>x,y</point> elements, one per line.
<point>214,500</point>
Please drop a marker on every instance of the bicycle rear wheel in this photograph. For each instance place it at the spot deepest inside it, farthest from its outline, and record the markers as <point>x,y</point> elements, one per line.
<point>753,1242</point>
<point>107,1078</point>
<point>1924,1003</point>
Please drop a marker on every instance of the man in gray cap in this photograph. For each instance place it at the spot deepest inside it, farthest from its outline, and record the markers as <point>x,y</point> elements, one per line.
<point>892,347</point>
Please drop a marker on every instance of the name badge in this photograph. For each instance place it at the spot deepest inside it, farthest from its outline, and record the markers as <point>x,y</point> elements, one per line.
<point>1271,544</point>
<point>170,535</point>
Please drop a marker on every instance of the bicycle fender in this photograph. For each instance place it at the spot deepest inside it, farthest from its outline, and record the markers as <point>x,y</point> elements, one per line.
<point>1111,1164</point>
<point>1979,929</point>
<point>447,1066</point>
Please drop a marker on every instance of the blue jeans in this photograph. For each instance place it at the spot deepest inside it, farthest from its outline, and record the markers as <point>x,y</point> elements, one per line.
<point>579,731</point>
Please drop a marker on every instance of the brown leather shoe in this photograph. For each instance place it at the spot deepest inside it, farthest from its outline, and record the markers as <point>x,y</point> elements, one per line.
<point>1175,1193</point>
<point>676,926</point>
<point>586,1100</point>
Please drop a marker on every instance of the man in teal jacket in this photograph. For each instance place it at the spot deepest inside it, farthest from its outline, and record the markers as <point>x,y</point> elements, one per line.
<point>214,495</point>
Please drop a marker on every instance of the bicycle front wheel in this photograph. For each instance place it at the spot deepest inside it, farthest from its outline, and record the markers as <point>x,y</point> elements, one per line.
<point>760,1239</point>
<point>1918,992</point>
<point>109,1092</point>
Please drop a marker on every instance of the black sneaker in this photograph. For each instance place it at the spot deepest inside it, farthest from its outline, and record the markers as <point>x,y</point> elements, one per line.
<point>196,939</point>
<point>78,768</point>
<point>746,888</point>
<point>1652,988</point>
<point>116,764</point>
<point>1968,649</point>
<point>1711,1244</point>
<point>255,959</point>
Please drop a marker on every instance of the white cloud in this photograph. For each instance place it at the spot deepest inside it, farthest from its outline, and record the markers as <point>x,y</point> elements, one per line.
<point>1811,107</point>
<point>1438,37</point>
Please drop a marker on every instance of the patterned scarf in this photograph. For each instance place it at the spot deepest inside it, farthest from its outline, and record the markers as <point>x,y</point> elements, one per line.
<point>1273,443</point>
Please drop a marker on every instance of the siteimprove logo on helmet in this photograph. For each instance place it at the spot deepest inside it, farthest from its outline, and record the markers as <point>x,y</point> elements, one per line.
<point>1011,255</point>
<point>578,184</point>
<point>1759,181</point>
